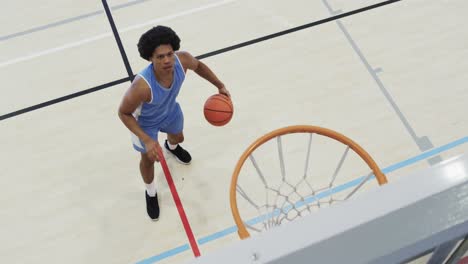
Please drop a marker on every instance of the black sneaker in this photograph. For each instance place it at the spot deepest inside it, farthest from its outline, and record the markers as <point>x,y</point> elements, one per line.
<point>179,153</point>
<point>152,206</point>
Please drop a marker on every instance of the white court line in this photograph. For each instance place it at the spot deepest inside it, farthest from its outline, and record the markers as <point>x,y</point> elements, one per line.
<point>109,34</point>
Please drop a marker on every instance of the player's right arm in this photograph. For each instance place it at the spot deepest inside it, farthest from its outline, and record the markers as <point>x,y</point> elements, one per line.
<point>138,93</point>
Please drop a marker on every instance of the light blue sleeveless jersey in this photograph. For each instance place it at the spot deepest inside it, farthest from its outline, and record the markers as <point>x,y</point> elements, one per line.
<point>163,105</point>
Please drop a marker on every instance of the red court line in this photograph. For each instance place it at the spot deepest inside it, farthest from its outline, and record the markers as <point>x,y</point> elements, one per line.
<point>180,208</point>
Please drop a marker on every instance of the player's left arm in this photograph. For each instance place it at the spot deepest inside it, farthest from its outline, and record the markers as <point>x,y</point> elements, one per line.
<point>192,63</point>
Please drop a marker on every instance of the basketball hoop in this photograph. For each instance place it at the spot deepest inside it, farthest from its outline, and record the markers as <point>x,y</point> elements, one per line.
<point>275,211</point>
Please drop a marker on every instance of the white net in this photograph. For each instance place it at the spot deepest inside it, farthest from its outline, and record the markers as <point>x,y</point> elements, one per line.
<point>296,174</point>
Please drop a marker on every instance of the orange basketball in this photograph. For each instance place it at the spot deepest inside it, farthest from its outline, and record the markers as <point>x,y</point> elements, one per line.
<point>218,110</point>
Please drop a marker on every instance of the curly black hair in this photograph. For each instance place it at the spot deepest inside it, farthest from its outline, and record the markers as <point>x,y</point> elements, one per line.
<point>154,37</point>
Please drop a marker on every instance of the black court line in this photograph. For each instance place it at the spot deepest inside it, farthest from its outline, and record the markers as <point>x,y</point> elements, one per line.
<point>281,33</point>
<point>117,39</point>
<point>66,21</point>
<point>64,98</point>
<point>203,56</point>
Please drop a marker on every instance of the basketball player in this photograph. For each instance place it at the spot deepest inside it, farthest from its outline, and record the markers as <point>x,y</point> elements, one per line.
<point>149,105</point>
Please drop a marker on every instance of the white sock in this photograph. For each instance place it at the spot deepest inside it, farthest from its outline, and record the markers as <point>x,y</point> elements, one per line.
<point>151,188</point>
<point>172,147</point>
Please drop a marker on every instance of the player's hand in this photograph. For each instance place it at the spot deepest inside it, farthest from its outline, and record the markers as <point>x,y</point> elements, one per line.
<point>152,150</point>
<point>225,92</point>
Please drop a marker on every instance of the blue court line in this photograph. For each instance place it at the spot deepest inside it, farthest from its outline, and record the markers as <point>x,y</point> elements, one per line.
<point>425,155</point>
<point>233,229</point>
<point>165,254</point>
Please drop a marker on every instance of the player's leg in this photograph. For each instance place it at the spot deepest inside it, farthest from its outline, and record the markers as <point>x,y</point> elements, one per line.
<point>175,139</point>
<point>175,135</point>
<point>147,173</point>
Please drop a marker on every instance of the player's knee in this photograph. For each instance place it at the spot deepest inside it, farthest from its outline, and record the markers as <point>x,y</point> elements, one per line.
<point>145,161</point>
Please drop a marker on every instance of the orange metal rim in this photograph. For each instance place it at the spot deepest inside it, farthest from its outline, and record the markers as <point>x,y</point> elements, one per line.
<point>242,230</point>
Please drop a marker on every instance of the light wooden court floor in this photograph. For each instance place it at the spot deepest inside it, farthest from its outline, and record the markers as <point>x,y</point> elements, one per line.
<point>393,79</point>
